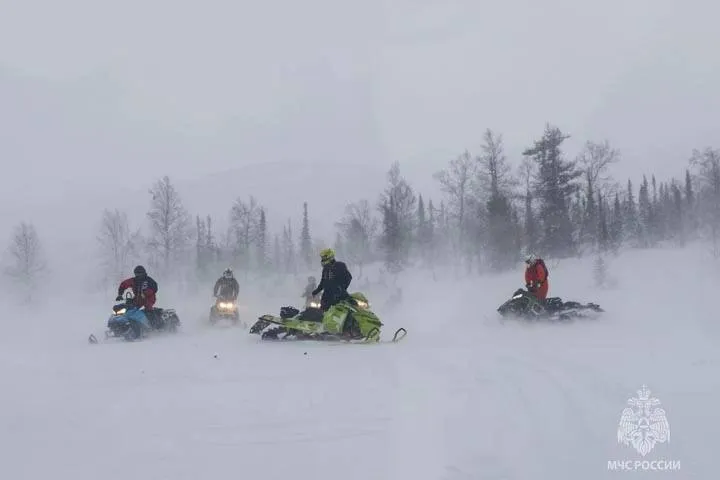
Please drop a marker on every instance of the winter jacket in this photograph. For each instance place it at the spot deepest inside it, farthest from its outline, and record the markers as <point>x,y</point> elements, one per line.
<point>334,282</point>
<point>536,279</point>
<point>144,290</point>
<point>226,288</point>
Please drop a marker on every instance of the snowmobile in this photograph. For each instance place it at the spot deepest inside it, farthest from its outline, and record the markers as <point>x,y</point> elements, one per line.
<point>126,322</point>
<point>224,309</point>
<point>524,304</point>
<point>350,320</point>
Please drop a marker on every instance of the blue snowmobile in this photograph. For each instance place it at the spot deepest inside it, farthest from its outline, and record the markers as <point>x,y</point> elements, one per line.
<point>129,322</point>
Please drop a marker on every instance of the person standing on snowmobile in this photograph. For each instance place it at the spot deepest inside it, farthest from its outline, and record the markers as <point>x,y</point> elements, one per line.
<point>536,277</point>
<point>334,281</point>
<point>144,289</point>
<point>227,286</point>
<point>311,284</point>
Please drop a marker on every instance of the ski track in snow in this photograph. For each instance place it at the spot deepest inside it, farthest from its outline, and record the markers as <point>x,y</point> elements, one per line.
<point>463,396</point>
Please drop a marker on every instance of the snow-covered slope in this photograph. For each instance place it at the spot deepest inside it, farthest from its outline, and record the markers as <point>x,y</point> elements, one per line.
<point>463,396</point>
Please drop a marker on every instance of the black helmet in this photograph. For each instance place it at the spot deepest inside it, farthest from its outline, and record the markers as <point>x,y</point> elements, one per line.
<point>140,271</point>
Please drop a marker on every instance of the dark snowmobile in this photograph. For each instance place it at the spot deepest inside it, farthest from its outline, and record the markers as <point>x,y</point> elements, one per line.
<point>524,305</point>
<point>224,309</point>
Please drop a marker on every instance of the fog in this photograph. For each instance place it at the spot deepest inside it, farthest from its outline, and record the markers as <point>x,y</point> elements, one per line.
<point>293,102</point>
<point>91,92</point>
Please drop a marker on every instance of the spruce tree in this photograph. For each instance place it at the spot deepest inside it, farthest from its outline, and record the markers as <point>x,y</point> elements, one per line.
<point>306,240</point>
<point>261,243</point>
<point>555,184</point>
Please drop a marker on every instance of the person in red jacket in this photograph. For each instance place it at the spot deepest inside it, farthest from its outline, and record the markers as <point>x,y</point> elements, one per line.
<point>536,277</point>
<point>144,289</point>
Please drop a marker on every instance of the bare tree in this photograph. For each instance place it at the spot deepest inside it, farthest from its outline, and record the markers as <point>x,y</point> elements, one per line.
<point>170,223</point>
<point>595,160</point>
<point>27,259</point>
<point>359,229</point>
<point>119,246</point>
<point>500,235</point>
<point>706,164</point>
<point>494,173</point>
<point>458,181</point>
<point>245,224</point>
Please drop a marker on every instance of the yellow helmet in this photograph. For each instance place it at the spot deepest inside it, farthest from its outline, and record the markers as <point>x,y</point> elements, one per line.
<point>327,255</point>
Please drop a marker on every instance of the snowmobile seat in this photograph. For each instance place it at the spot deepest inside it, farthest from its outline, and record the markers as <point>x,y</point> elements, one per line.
<point>288,312</point>
<point>554,302</point>
<point>312,315</point>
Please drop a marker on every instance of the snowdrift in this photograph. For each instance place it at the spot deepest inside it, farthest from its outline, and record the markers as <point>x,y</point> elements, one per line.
<point>464,396</point>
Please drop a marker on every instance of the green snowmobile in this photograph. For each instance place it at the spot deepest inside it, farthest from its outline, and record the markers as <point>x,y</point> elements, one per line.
<point>351,320</point>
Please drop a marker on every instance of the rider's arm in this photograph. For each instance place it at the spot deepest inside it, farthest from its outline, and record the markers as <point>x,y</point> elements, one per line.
<point>540,272</point>
<point>124,285</point>
<point>320,287</point>
<point>348,278</point>
<point>345,276</point>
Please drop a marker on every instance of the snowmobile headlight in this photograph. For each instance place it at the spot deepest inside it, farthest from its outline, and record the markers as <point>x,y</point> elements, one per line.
<point>362,304</point>
<point>226,305</point>
<point>121,311</point>
<point>314,305</point>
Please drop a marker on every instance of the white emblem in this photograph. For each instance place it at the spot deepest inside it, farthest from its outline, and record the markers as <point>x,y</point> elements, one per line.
<point>644,423</point>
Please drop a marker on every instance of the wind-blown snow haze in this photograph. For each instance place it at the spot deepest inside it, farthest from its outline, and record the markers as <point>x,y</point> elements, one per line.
<point>434,146</point>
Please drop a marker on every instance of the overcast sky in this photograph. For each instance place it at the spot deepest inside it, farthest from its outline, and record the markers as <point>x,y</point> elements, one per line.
<point>192,88</point>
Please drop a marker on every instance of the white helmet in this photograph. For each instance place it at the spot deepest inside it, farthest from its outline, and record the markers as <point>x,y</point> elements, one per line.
<point>530,258</point>
<point>228,273</point>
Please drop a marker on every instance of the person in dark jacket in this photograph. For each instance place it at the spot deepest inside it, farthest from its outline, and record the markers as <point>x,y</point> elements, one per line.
<point>144,289</point>
<point>334,281</point>
<point>227,287</point>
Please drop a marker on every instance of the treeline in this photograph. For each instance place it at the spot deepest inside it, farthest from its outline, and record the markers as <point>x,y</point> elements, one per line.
<point>491,211</point>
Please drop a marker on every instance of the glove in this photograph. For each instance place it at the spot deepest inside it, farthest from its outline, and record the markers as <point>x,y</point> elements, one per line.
<point>119,298</point>
<point>315,292</point>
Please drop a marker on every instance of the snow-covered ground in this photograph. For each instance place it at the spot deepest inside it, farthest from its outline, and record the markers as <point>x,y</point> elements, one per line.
<point>463,396</point>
